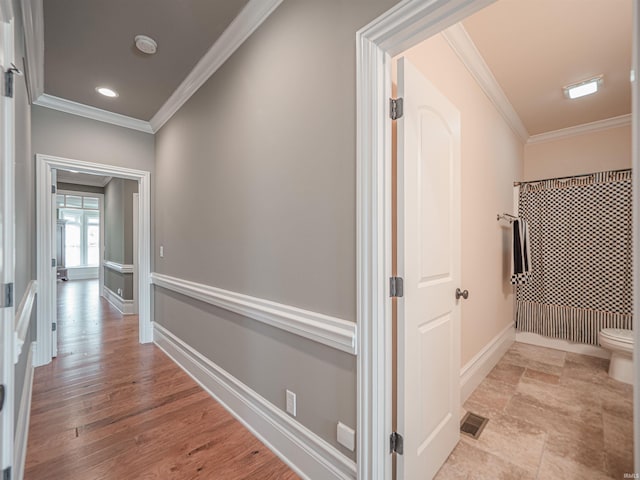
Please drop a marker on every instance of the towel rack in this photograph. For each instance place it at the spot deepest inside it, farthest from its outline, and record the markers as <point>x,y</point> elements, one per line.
<point>505,216</point>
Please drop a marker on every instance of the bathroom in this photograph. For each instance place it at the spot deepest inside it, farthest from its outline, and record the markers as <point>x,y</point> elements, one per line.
<point>525,128</point>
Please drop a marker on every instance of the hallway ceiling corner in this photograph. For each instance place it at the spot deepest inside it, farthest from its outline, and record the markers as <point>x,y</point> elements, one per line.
<point>88,44</point>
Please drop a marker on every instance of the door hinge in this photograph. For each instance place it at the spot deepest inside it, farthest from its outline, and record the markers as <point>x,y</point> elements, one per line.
<point>53,189</point>
<point>396,287</point>
<point>54,326</point>
<point>6,474</point>
<point>7,295</point>
<point>397,443</point>
<point>2,397</point>
<point>8,80</point>
<point>395,107</point>
<point>53,262</point>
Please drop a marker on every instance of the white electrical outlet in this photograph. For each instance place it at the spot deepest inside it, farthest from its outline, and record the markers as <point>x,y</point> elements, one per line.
<point>161,251</point>
<point>346,436</point>
<point>291,403</point>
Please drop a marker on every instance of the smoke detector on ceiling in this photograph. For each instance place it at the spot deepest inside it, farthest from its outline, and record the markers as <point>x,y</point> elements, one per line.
<point>146,44</point>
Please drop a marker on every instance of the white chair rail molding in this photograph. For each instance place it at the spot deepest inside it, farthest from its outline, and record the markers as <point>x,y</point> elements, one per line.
<point>333,332</point>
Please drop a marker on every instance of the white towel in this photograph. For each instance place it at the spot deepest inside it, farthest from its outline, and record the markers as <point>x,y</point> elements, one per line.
<point>521,252</point>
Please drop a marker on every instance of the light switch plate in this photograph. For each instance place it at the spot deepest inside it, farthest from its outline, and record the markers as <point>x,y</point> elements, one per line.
<point>346,436</point>
<point>161,251</point>
<point>291,403</point>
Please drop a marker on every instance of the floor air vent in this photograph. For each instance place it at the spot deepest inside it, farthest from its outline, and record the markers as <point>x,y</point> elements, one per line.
<point>472,425</point>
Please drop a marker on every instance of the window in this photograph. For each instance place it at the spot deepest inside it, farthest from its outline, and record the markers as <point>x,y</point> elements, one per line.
<point>82,229</point>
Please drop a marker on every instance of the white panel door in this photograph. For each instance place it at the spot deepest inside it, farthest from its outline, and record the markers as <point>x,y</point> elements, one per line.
<point>7,250</point>
<point>429,262</point>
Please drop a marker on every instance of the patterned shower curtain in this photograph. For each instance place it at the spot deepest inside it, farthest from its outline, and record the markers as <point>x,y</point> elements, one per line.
<point>581,251</point>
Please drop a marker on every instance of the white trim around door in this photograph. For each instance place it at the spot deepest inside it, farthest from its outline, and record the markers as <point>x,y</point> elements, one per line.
<point>7,239</point>
<point>46,246</point>
<point>635,163</point>
<point>402,27</point>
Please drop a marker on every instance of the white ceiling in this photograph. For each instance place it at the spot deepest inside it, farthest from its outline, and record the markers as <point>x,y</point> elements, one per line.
<point>535,47</point>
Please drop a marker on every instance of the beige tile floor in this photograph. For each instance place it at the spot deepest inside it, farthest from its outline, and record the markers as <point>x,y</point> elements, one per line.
<point>552,415</point>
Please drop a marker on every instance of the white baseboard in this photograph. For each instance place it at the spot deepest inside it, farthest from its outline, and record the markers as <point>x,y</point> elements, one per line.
<point>125,307</point>
<point>564,345</point>
<point>472,374</point>
<point>82,273</point>
<point>22,423</point>
<point>306,453</point>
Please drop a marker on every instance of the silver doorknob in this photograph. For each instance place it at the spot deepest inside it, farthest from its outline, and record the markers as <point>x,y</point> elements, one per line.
<point>462,293</point>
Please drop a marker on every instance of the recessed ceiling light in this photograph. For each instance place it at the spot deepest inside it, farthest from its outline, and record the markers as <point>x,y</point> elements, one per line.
<point>107,92</point>
<point>146,44</point>
<point>580,89</point>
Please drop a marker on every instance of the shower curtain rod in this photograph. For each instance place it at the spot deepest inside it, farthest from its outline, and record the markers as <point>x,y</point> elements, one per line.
<point>506,216</point>
<point>517,184</point>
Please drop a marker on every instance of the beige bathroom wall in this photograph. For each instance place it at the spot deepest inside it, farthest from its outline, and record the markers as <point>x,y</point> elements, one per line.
<point>586,153</point>
<point>492,158</point>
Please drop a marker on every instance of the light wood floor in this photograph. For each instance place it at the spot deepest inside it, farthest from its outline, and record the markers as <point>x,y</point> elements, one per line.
<point>110,408</point>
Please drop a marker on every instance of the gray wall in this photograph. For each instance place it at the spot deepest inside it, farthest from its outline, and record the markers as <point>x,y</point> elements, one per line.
<point>118,233</point>
<point>70,136</point>
<point>256,193</point>
<point>25,222</point>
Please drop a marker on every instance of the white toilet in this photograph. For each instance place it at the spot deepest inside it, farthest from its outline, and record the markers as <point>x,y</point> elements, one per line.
<point>620,343</point>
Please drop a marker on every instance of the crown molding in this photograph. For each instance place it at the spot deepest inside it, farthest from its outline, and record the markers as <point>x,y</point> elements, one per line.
<point>247,21</point>
<point>33,20</point>
<point>93,113</point>
<point>100,181</point>
<point>463,46</point>
<point>597,126</point>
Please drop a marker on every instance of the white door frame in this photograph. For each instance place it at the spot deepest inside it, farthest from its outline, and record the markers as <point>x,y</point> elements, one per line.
<point>402,27</point>
<point>635,164</point>
<point>136,219</point>
<point>46,247</point>
<point>7,237</point>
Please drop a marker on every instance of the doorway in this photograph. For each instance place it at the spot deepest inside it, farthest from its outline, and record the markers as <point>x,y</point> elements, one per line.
<point>47,167</point>
<point>399,29</point>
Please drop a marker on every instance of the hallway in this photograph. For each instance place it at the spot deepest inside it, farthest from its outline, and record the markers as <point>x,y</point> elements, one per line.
<point>110,408</point>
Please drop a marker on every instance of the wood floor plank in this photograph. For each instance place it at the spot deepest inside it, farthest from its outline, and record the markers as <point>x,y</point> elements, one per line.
<point>110,408</point>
